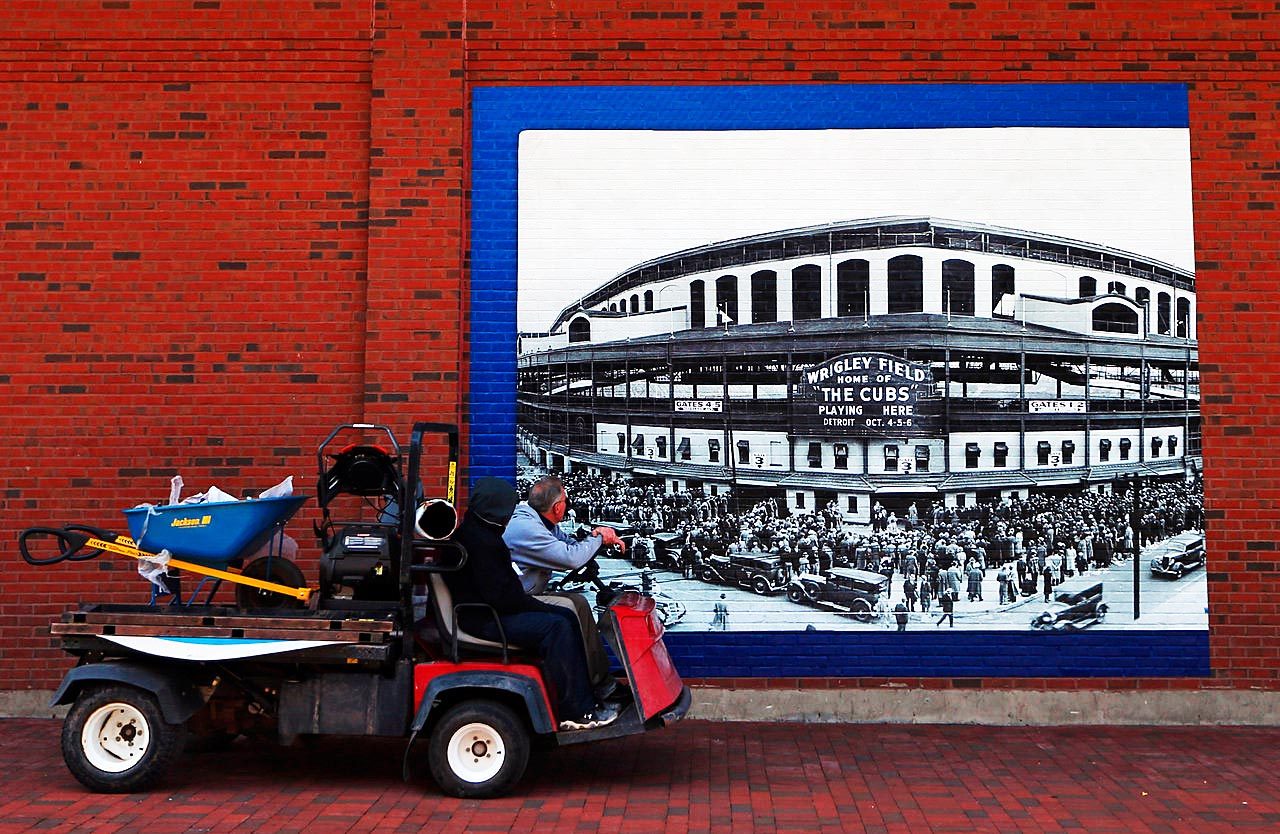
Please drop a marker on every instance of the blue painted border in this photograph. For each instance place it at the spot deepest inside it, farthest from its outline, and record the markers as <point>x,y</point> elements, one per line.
<point>926,651</point>
<point>499,114</point>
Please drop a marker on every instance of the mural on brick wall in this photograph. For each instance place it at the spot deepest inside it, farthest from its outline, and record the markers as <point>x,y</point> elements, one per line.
<point>851,380</point>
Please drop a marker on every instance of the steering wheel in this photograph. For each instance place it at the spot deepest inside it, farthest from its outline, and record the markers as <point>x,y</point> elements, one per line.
<point>588,573</point>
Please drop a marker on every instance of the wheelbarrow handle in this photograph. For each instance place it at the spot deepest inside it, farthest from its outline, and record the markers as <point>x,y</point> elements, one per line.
<point>70,542</point>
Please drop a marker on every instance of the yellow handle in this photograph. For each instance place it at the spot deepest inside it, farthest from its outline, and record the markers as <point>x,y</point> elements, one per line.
<point>303,594</point>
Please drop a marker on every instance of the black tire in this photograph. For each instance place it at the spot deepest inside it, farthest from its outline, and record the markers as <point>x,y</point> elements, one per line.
<point>861,610</point>
<point>760,585</point>
<point>270,569</point>
<point>706,574</point>
<point>115,740</point>
<point>1101,611</point>
<point>795,594</point>
<point>478,749</point>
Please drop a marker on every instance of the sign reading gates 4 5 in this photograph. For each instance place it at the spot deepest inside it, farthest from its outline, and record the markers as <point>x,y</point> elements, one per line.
<point>867,394</point>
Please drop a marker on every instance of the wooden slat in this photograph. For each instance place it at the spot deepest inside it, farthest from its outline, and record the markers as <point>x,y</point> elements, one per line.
<point>169,630</point>
<point>171,619</point>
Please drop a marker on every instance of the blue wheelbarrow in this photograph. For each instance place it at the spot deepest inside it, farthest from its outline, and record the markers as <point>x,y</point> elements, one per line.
<point>210,540</point>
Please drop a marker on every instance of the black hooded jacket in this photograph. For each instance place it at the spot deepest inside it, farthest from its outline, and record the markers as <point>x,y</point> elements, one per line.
<point>487,576</point>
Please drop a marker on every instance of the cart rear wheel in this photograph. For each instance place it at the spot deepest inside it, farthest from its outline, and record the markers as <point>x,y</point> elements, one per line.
<point>270,569</point>
<point>479,749</point>
<point>115,740</point>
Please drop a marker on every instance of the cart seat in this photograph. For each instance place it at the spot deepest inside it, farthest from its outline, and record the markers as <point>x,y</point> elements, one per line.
<point>456,640</point>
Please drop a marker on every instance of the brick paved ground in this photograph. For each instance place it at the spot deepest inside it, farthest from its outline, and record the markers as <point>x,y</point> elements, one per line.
<point>699,776</point>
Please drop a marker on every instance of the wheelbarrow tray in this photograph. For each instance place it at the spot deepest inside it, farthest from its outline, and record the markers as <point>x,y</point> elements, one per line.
<point>215,533</point>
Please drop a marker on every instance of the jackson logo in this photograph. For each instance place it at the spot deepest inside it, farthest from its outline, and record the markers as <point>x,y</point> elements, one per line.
<point>203,521</point>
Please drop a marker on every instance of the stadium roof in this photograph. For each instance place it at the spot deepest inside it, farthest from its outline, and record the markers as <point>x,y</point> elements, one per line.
<point>881,233</point>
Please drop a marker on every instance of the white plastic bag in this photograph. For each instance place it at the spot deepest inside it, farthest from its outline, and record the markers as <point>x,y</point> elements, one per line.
<point>155,570</point>
<point>280,490</point>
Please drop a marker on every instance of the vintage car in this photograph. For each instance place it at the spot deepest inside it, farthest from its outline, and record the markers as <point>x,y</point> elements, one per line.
<point>761,572</point>
<point>666,550</point>
<point>1178,557</point>
<point>842,589</point>
<point>1072,611</point>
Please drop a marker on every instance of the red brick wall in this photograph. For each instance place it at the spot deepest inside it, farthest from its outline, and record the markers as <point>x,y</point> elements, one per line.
<point>230,225</point>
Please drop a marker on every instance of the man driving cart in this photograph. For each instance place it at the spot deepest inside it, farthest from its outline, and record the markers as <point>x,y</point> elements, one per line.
<point>539,546</point>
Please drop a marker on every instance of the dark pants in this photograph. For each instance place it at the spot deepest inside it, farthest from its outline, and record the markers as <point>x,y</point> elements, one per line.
<point>597,660</point>
<point>553,633</point>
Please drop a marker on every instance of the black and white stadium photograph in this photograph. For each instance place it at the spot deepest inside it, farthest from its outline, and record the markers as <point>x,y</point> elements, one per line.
<point>843,380</point>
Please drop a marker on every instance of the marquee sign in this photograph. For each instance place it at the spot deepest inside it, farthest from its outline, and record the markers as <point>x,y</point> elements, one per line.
<point>867,394</point>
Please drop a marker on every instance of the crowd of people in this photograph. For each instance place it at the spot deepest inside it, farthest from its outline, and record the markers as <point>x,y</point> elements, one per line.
<point>933,555</point>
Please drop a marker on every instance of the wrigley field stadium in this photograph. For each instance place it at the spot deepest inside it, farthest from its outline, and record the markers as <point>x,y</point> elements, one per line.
<point>891,360</point>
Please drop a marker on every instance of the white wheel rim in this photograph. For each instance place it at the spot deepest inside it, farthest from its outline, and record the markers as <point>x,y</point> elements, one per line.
<point>476,752</point>
<point>115,737</point>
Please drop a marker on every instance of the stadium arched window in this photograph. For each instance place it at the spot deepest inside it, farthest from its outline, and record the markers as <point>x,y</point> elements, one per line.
<point>635,303</point>
<point>1088,286</point>
<point>1002,284</point>
<point>1104,450</point>
<point>744,451</point>
<point>971,454</point>
<point>1156,444</point>
<point>580,329</point>
<point>727,299</point>
<point>906,284</point>
<point>1115,318</point>
<point>1184,318</point>
<point>685,449</point>
<point>957,287</point>
<point>697,304</point>
<point>1042,452</point>
<point>1068,452</point>
<point>1173,445</point>
<point>806,292</point>
<point>648,301</point>
<point>1162,313</point>
<point>713,450</point>
<point>764,296</point>
<point>1000,455</point>
<point>622,442</point>
<point>1116,287</point>
<point>1125,445</point>
<point>1142,295</point>
<point>853,288</point>
<point>613,308</point>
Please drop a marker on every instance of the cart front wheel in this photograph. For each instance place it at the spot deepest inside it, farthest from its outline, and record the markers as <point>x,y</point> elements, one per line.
<point>478,750</point>
<point>115,740</point>
<point>275,569</point>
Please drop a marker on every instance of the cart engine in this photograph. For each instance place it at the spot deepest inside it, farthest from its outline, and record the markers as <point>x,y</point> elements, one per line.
<point>361,557</point>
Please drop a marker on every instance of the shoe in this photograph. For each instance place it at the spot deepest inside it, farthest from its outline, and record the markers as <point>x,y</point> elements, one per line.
<point>601,716</point>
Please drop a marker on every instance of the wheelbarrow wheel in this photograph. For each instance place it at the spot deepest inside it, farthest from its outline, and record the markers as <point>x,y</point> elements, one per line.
<point>270,569</point>
<point>115,740</point>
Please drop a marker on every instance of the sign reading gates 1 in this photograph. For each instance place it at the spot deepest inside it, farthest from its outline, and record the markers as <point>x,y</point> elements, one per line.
<point>866,394</point>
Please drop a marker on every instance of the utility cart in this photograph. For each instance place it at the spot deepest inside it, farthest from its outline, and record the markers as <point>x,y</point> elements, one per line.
<point>374,650</point>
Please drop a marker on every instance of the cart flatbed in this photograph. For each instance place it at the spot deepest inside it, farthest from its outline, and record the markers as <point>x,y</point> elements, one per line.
<point>229,633</point>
